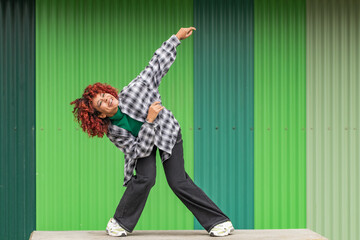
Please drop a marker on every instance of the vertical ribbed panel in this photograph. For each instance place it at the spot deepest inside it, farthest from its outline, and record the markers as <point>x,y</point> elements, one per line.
<point>79,180</point>
<point>333,118</point>
<point>279,108</point>
<point>17,117</point>
<point>223,106</point>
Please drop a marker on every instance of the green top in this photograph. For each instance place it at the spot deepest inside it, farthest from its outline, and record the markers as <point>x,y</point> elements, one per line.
<point>124,121</point>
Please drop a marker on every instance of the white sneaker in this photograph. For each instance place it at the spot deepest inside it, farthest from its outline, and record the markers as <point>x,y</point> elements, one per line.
<point>228,226</point>
<point>218,231</point>
<point>114,229</point>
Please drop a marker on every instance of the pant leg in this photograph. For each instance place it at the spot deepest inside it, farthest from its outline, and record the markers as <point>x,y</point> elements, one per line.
<point>134,198</point>
<point>203,208</point>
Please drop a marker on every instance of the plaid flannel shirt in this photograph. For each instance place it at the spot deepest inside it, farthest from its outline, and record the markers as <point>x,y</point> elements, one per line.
<point>135,100</point>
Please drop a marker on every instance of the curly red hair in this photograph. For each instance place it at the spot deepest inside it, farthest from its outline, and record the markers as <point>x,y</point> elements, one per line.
<point>86,115</point>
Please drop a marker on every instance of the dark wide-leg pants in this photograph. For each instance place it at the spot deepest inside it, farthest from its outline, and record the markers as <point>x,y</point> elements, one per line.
<point>134,198</point>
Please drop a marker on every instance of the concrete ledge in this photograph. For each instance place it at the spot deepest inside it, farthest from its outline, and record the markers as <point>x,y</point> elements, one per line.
<point>271,234</point>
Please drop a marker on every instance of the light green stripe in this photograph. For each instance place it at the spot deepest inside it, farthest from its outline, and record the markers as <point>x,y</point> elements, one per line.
<point>333,118</point>
<point>79,180</point>
<point>279,114</point>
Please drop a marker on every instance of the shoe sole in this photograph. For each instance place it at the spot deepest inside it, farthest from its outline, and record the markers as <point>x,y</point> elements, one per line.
<point>115,235</point>
<point>225,233</point>
<point>213,235</point>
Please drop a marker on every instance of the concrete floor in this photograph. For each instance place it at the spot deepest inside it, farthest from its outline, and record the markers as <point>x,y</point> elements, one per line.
<point>273,234</point>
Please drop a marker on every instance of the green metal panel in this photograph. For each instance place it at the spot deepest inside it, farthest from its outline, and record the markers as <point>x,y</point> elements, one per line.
<point>333,118</point>
<point>223,104</point>
<point>280,101</point>
<point>79,180</point>
<point>17,107</point>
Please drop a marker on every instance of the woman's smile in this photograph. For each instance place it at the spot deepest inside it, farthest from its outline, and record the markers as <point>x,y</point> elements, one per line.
<point>106,104</point>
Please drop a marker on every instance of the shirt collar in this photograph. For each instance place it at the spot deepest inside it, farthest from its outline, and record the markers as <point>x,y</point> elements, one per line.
<point>118,115</point>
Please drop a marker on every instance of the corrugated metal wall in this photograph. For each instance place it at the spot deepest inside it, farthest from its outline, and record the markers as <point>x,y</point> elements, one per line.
<point>79,180</point>
<point>17,116</point>
<point>333,118</point>
<point>223,104</point>
<point>279,114</point>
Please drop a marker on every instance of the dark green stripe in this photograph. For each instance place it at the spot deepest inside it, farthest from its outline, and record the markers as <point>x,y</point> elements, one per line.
<point>17,117</point>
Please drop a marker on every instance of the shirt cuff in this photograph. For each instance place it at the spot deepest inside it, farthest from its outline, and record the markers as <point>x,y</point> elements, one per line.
<point>174,40</point>
<point>149,124</point>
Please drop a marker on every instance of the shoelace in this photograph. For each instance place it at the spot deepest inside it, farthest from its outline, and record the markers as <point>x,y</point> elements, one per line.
<point>226,227</point>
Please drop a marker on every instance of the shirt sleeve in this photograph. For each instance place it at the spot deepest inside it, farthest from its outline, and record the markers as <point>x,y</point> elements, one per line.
<point>160,63</point>
<point>136,147</point>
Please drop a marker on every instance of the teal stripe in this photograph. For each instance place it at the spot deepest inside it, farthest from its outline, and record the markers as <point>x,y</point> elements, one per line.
<point>223,107</point>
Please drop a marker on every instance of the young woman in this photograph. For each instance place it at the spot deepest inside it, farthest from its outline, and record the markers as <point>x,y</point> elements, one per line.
<point>136,122</point>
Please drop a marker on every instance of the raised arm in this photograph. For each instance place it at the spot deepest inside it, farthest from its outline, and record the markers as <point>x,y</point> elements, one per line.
<point>163,58</point>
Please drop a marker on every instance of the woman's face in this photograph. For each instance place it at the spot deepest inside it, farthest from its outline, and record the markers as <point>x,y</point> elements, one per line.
<point>106,104</point>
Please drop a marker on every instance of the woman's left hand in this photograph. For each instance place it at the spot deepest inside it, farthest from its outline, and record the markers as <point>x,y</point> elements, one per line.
<point>184,33</point>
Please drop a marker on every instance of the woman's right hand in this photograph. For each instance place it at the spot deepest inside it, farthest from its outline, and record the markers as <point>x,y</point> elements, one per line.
<point>185,32</point>
<point>154,110</point>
